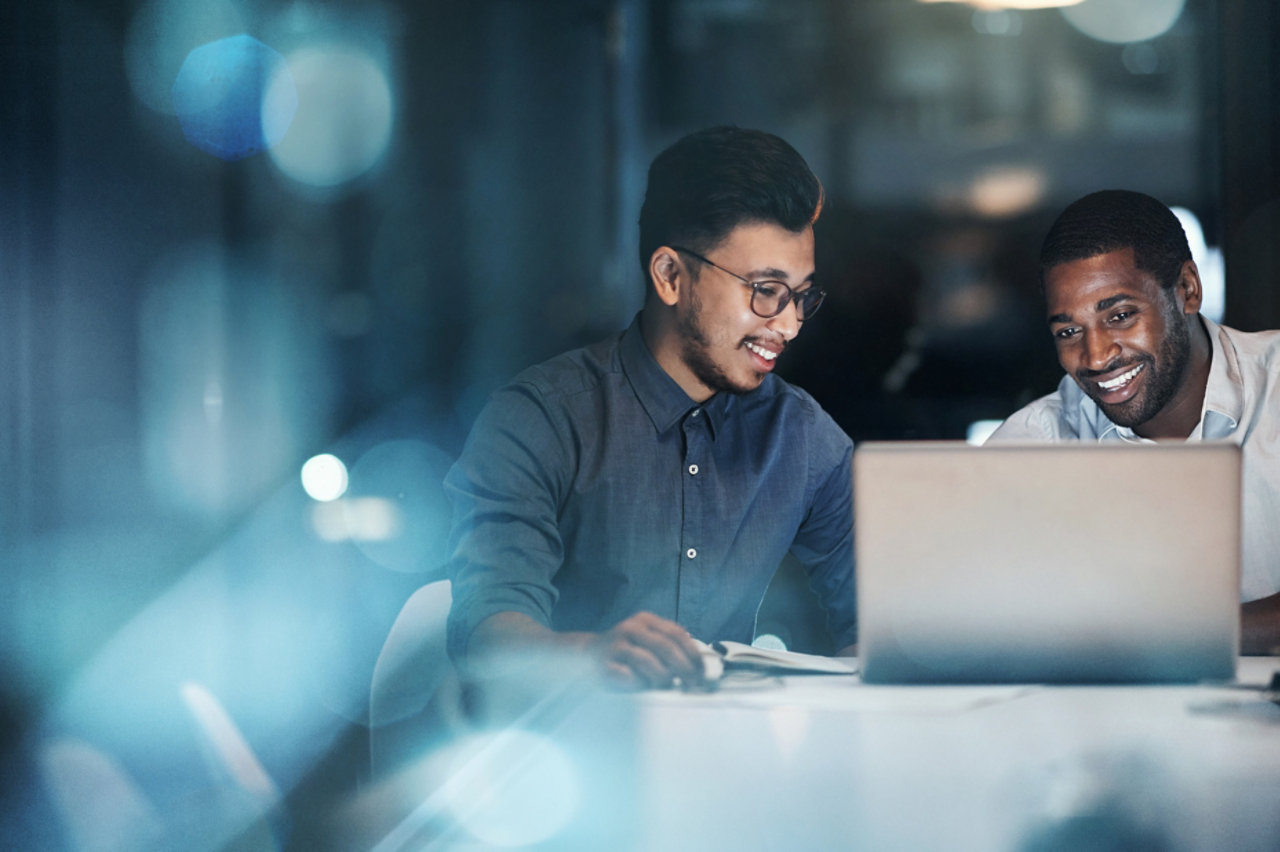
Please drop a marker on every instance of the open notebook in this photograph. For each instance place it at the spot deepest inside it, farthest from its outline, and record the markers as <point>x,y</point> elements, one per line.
<point>1047,563</point>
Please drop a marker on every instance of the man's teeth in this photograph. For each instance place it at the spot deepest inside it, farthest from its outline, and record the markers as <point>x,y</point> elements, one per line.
<point>1122,379</point>
<point>766,354</point>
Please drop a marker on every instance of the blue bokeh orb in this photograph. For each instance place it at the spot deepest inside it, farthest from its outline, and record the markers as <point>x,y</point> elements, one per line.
<point>219,94</point>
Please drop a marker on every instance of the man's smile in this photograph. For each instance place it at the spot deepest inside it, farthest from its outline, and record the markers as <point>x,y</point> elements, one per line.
<point>766,354</point>
<point>1122,379</point>
<point>1122,385</point>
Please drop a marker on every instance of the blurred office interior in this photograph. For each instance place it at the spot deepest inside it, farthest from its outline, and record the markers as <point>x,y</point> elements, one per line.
<point>433,195</point>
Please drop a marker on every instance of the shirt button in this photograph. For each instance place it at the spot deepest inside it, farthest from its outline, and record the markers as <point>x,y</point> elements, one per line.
<point>696,412</point>
<point>691,553</point>
<point>693,470</point>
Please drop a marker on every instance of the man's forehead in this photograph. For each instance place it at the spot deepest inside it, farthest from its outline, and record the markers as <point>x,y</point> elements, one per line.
<point>1091,281</point>
<point>769,249</point>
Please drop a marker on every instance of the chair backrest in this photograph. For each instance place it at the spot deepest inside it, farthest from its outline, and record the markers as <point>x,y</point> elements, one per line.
<point>410,670</point>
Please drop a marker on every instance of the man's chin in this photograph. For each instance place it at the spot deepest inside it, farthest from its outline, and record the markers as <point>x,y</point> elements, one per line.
<point>757,379</point>
<point>1128,414</point>
<point>721,383</point>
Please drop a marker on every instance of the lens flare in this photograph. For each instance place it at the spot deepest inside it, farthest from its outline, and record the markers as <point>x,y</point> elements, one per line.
<point>344,118</point>
<point>222,102</point>
<point>514,789</point>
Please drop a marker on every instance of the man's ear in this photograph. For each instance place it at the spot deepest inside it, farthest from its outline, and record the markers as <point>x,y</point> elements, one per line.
<point>1188,288</point>
<point>666,275</point>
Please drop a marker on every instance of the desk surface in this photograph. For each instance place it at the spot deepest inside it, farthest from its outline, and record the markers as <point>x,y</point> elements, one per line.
<point>825,762</point>
<point>819,762</point>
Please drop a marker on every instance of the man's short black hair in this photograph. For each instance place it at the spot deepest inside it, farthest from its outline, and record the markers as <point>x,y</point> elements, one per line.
<point>1115,219</point>
<point>711,181</point>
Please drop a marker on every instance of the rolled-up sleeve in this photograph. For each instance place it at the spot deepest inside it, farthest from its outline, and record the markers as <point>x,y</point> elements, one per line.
<point>505,488</point>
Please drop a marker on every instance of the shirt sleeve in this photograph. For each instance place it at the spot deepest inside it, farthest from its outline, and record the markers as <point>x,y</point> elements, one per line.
<point>824,543</point>
<point>506,488</point>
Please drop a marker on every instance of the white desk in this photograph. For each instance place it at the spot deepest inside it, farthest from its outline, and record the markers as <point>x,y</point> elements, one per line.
<point>825,762</point>
<point>830,763</point>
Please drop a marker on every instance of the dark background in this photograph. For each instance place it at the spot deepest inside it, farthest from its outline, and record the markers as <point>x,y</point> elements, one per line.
<point>178,334</point>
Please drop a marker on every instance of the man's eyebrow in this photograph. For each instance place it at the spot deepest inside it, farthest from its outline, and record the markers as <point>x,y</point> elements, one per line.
<point>1109,302</point>
<point>770,272</point>
<point>773,274</point>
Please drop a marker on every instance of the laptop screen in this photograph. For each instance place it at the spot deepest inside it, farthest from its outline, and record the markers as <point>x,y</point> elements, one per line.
<point>1065,562</point>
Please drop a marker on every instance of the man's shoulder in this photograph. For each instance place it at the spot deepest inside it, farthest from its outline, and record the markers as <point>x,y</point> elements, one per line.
<point>1258,349</point>
<point>1065,414</point>
<point>1259,341</point>
<point>794,406</point>
<point>573,372</point>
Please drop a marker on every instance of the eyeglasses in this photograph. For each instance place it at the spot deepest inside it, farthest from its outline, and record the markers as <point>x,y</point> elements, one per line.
<point>770,297</point>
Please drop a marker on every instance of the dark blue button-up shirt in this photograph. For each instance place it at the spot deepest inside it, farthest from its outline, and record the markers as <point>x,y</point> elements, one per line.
<point>592,487</point>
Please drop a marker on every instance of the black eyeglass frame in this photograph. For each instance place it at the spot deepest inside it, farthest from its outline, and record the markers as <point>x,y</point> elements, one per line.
<point>807,301</point>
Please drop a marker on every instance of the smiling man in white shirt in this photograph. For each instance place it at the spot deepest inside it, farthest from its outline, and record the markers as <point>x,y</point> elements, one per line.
<point>1123,302</point>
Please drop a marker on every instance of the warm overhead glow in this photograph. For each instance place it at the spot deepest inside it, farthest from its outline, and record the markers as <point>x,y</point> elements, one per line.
<point>1011,4</point>
<point>1007,191</point>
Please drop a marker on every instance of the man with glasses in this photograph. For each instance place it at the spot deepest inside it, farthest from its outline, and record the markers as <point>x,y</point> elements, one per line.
<point>621,499</point>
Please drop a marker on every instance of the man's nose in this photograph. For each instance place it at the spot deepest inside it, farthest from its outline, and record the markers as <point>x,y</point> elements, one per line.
<point>1100,349</point>
<point>787,322</point>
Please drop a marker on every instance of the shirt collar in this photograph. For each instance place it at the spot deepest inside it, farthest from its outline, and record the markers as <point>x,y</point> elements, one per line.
<point>663,400</point>
<point>1223,396</point>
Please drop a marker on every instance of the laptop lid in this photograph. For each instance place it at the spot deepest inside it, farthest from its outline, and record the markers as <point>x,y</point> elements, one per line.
<point>1074,562</point>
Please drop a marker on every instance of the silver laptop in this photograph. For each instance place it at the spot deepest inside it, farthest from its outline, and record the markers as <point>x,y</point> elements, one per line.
<point>1047,563</point>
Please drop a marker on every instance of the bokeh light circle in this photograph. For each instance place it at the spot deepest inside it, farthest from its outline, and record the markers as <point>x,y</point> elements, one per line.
<point>1123,21</point>
<point>221,99</point>
<point>401,481</point>
<point>324,477</point>
<point>344,118</point>
<point>160,36</point>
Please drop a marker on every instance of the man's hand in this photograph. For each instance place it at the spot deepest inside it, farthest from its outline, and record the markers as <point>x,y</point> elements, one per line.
<point>647,650</point>
<point>640,652</point>
<point>1260,626</point>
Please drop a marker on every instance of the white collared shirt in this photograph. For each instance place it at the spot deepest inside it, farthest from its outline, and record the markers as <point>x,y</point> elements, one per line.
<point>1241,405</point>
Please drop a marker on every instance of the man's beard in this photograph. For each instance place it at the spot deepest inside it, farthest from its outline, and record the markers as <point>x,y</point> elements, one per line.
<point>1164,376</point>
<point>695,351</point>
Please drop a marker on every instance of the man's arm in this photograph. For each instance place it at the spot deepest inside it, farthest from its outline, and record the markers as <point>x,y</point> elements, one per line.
<point>505,488</point>
<point>824,543</point>
<point>1260,626</point>
<point>643,651</point>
